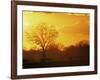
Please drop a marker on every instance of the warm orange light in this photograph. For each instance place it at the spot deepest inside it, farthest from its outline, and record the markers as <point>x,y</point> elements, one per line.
<point>72,28</point>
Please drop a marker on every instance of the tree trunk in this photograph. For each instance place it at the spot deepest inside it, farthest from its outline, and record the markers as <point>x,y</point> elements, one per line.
<point>43,55</point>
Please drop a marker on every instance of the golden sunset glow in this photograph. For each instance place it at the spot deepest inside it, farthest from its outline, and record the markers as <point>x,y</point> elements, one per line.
<point>71,27</point>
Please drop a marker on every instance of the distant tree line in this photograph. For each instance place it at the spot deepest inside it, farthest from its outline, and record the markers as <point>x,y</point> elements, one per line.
<point>74,55</point>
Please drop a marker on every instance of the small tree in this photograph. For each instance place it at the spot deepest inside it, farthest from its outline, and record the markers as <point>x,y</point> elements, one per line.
<point>44,36</point>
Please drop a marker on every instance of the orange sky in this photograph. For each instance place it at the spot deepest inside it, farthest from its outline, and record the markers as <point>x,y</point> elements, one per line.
<point>72,28</point>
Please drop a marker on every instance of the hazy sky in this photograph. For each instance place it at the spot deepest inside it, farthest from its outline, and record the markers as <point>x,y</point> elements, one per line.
<point>72,28</point>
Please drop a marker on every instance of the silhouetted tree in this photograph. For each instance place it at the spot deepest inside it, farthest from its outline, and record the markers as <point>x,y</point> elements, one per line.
<point>44,36</point>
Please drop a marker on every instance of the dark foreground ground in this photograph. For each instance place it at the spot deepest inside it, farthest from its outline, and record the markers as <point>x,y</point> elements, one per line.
<point>52,64</point>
